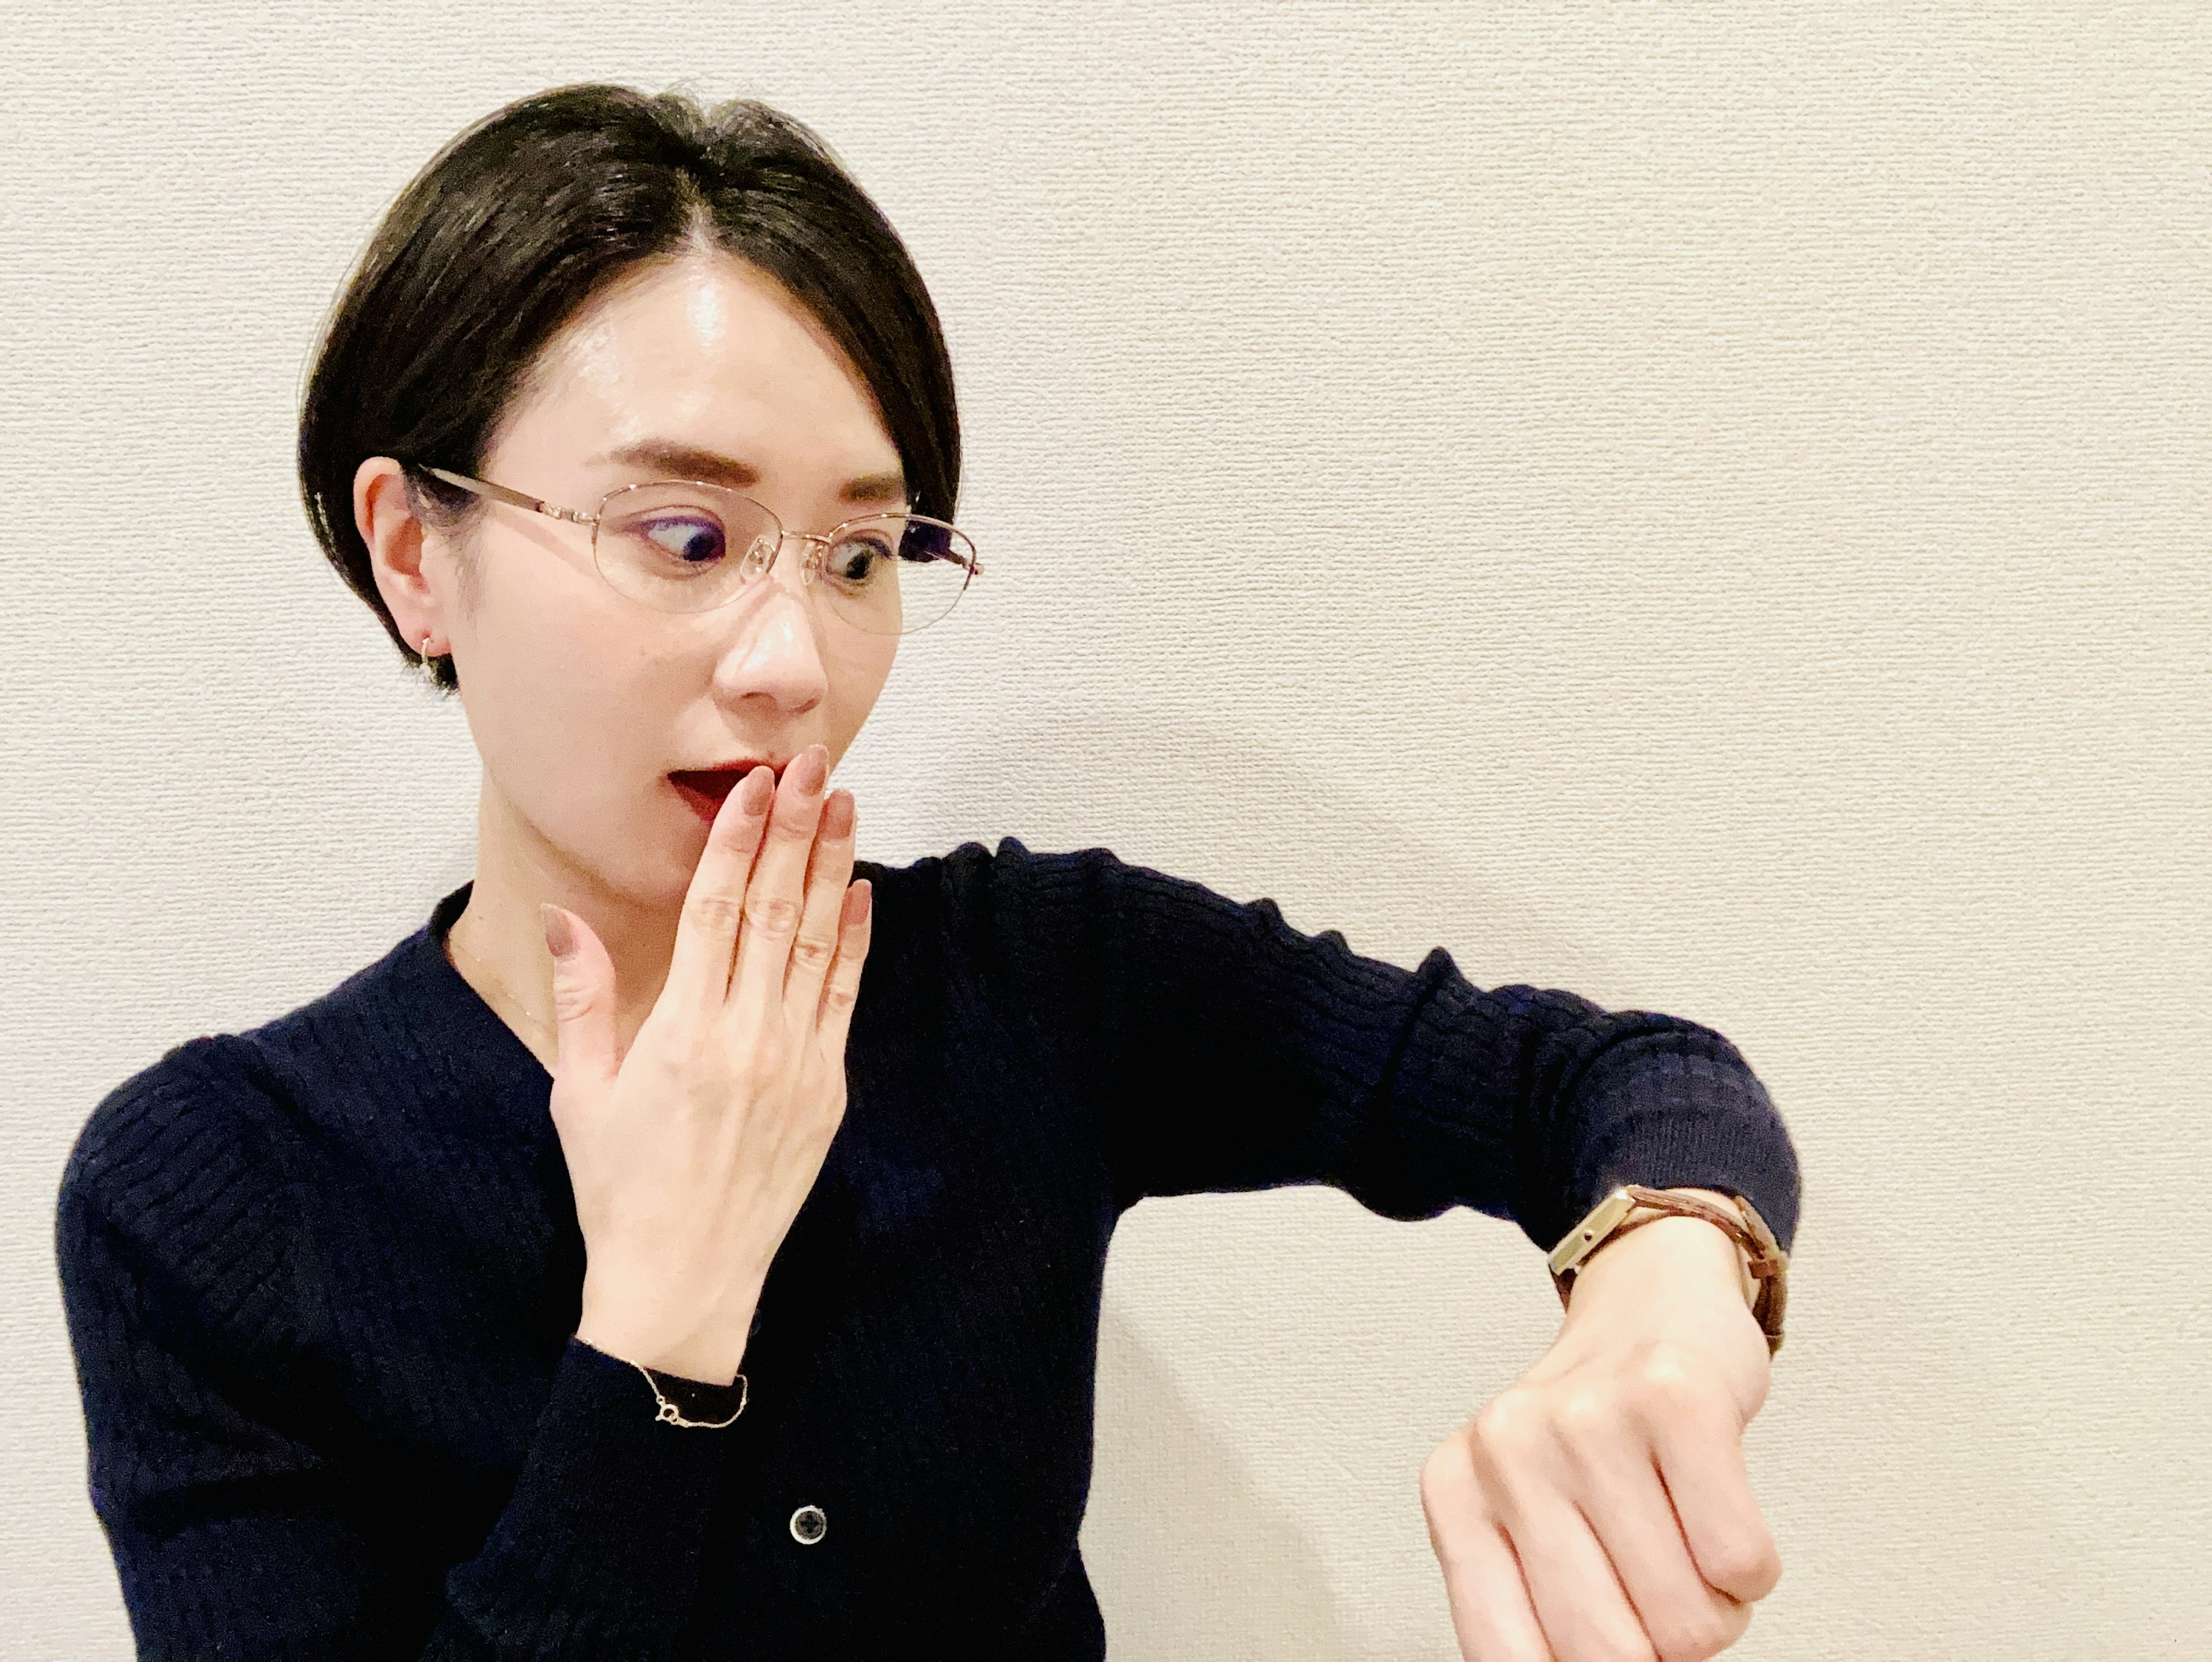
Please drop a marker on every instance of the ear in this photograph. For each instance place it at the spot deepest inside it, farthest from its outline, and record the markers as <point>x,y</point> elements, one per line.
<point>387,521</point>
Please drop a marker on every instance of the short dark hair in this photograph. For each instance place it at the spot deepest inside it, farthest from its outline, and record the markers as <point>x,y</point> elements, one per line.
<point>526,216</point>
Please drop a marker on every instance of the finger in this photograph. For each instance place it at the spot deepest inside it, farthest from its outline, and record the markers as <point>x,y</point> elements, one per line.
<point>827,869</point>
<point>583,1005</point>
<point>1698,1441</point>
<point>707,932</point>
<point>855,920</point>
<point>1626,1506</point>
<point>1579,1602</point>
<point>773,896</point>
<point>1492,1615</point>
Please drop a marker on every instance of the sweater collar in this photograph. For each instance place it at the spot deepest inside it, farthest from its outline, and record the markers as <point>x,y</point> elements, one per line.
<point>483,1046</point>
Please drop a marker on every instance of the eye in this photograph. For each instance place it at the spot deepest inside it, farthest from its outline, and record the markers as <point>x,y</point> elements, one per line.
<point>858,557</point>
<point>693,539</point>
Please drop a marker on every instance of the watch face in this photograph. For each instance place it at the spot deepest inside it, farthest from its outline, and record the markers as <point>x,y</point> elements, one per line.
<point>1585,1237</point>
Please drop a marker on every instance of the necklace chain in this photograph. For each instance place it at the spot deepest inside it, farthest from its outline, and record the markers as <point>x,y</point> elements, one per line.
<point>498,981</point>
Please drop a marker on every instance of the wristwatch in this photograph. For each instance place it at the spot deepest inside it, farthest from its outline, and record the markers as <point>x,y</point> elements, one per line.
<point>1632,1205</point>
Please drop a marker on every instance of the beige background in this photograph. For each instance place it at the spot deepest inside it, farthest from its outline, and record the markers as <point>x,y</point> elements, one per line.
<point>1703,505</point>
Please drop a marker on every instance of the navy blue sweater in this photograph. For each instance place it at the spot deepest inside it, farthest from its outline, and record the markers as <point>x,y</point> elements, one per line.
<point>323,1277</point>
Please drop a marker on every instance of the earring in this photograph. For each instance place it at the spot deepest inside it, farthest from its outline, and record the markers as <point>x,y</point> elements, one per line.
<point>426,668</point>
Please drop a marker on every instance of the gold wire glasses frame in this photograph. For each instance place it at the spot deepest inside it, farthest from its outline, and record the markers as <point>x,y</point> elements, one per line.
<point>686,545</point>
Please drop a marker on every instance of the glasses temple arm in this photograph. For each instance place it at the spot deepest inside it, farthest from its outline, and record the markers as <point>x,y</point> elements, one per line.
<point>501,493</point>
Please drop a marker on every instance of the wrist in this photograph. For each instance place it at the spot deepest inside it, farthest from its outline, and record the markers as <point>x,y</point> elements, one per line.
<point>1669,1253</point>
<point>708,1354</point>
<point>1746,1281</point>
<point>698,1364</point>
<point>1667,1265</point>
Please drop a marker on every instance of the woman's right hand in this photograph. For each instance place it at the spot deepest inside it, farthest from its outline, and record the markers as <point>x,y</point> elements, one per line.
<point>691,1154</point>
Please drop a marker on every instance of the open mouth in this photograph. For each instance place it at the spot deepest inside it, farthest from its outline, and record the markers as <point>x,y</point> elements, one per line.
<point>704,789</point>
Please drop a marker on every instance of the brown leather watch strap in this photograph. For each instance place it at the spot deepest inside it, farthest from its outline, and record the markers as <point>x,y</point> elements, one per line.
<point>1768,1265</point>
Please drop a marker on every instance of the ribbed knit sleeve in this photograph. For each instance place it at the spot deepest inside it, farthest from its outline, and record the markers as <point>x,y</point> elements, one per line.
<point>1225,1050</point>
<point>244,1521</point>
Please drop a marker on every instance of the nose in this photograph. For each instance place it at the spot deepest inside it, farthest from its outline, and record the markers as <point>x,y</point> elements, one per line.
<point>772,654</point>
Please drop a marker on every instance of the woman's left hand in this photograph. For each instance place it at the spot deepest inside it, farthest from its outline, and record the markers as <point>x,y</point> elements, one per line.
<point>1600,1510</point>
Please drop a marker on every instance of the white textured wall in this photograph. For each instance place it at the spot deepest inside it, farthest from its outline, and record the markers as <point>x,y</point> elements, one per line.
<point>1736,483</point>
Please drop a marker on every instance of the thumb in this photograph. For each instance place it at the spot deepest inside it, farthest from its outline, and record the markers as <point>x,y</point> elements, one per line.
<point>583,1003</point>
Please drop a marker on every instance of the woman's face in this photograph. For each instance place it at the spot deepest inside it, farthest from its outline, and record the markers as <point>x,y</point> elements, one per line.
<point>584,702</point>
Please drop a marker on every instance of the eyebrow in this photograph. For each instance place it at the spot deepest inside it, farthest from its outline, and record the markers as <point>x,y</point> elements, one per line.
<point>683,461</point>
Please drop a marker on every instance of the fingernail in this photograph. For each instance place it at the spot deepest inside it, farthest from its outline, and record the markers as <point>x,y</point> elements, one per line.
<point>757,791</point>
<point>837,815</point>
<point>560,939</point>
<point>812,768</point>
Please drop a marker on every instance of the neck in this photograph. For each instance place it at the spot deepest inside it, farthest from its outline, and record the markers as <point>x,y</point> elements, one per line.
<point>498,942</point>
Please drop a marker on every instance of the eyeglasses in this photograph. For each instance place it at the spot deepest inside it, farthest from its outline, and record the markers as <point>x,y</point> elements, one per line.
<point>680,545</point>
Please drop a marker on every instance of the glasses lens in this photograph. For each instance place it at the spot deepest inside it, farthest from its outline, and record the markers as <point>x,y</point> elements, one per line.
<point>896,573</point>
<point>680,547</point>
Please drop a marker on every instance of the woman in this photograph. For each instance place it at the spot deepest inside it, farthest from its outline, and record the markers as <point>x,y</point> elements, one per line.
<point>680,1247</point>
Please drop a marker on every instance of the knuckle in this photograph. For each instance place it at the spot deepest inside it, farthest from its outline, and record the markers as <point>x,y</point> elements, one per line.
<point>1443,1458</point>
<point>1678,1636</point>
<point>1447,1476</point>
<point>774,916</point>
<point>794,821</point>
<point>810,952</point>
<point>1505,1429</point>
<point>753,1065</point>
<point>1610,1642</point>
<point>1738,1561</point>
<point>1671,1380</point>
<point>572,996</point>
<point>716,910</point>
<point>736,830</point>
<point>1494,1424</point>
<point>668,1045</point>
<point>1587,1415</point>
<point>693,1061</point>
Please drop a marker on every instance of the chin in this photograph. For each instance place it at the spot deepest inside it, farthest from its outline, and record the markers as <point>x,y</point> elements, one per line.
<point>648,862</point>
